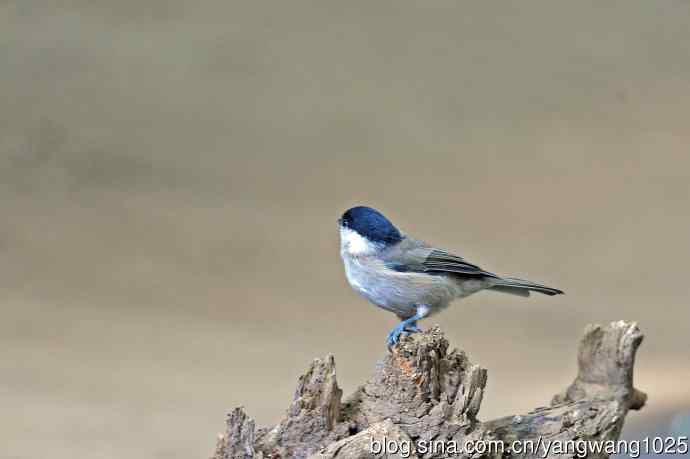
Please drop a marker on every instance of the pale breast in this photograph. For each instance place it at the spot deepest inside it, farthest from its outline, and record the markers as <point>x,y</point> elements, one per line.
<point>398,292</point>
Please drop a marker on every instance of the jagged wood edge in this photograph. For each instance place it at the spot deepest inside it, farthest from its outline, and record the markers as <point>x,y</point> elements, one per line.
<point>424,392</point>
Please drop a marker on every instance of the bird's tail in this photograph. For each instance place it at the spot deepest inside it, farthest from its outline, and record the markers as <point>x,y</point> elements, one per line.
<point>522,287</point>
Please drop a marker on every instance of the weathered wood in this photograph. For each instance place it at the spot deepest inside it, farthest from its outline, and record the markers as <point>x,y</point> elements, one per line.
<point>311,421</point>
<point>425,396</point>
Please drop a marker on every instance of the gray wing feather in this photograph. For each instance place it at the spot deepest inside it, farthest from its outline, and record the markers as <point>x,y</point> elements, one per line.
<point>442,261</point>
<point>412,255</point>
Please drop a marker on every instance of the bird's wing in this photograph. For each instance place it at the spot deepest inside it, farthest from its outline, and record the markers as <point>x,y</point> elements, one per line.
<point>440,261</point>
<point>415,256</point>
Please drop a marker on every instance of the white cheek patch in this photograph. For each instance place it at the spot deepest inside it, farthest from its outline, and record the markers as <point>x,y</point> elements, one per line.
<point>353,243</point>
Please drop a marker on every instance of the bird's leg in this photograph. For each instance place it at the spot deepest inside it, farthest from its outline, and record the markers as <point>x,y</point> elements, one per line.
<point>409,324</point>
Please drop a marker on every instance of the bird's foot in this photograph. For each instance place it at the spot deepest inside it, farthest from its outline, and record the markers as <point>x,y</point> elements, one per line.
<point>413,328</point>
<point>394,335</point>
<point>408,326</point>
<point>403,327</point>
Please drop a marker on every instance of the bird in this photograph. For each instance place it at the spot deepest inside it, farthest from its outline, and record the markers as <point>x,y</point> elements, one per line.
<point>411,278</point>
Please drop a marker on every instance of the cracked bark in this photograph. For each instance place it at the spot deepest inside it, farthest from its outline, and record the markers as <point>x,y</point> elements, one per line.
<point>425,394</point>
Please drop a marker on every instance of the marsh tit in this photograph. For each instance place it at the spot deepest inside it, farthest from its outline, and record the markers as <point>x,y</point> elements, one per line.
<point>408,277</point>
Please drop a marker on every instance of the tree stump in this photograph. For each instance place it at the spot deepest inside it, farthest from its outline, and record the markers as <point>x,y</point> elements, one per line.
<point>424,400</point>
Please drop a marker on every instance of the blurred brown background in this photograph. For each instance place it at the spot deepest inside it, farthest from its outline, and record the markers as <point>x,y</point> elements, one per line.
<point>171,174</point>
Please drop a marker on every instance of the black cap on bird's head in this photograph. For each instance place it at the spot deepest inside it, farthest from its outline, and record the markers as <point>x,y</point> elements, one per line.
<point>370,224</point>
